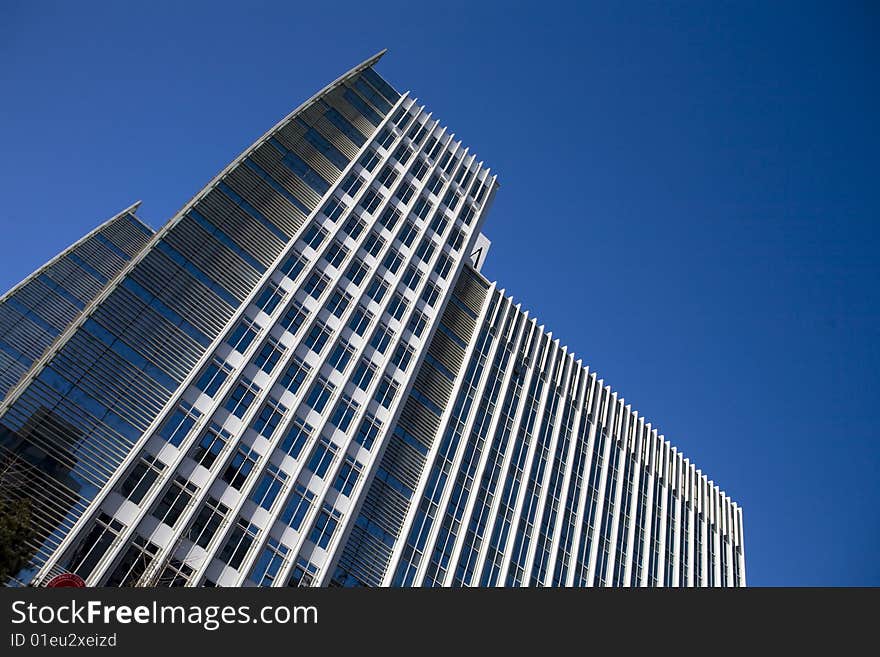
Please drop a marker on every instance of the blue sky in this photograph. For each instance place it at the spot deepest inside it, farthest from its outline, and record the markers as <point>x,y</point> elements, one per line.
<point>688,198</point>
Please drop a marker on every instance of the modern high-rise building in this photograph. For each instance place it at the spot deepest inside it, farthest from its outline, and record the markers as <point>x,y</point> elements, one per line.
<point>303,379</point>
<point>42,306</point>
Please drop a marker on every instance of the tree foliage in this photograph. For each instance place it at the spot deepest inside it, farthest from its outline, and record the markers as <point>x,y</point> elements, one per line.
<point>15,533</point>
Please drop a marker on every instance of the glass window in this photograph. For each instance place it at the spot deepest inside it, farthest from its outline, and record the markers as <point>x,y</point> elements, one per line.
<point>360,320</point>
<point>349,473</point>
<point>334,208</point>
<point>175,501</point>
<point>320,394</point>
<point>294,375</point>
<point>481,194</point>
<point>426,249</point>
<point>304,573</point>
<point>385,138</point>
<point>352,184</point>
<point>417,322</point>
<point>212,443</point>
<point>240,467</point>
<point>467,215</point>
<point>402,356</point>
<point>432,146</point>
<point>403,153</point>
<point>293,265</point>
<point>338,303</point>
<point>393,261</point>
<point>94,545</point>
<point>443,265</point>
<point>298,504</point>
<point>322,457</point>
<point>408,233</point>
<point>336,254</point>
<point>134,563</point>
<point>422,208</point>
<point>213,377</point>
<point>387,176</point>
<point>399,115</point>
<point>316,284</point>
<point>266,491</point>
<point>241,398</point>
<point>141,478</point>
<point>397,306</point>
<point>243,335</point>
<point>295,316</point>
<point>176,574</point>
<point>357,271</point>
<point>466,180</point>
<point>354,226</point>
<point>420,168</point>
<point>297,436</point>
<point>269,417</point>
<point>270,561</point>
<point>370,201</point>
<point>377,289</point>
<point>435,184</point>
<point>390,217</point>
<point>405,192</point>
<point>341,355</point>
<point>269,355</point>
<point>417,128</point>
<point>363,374</point>
<point>209,519</point>
<point>179,423</point>
<point>430,293</point>
<point>369,159</point>
<point>439,223</point>
<point>344,413</point>
<point>423,130</point>
<point>386,391</point>
<point>368,431</point>
<point>456,238</point>
<point>269,298</point>
<point>373,244</point>
<point>412,277</point>
<point>381,338</point>
<point>325,526</point>
<point>317,337</point>
<point>239,543</point>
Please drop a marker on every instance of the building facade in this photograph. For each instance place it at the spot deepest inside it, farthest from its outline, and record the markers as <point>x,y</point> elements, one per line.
<point>303,379</point>
<point>40,308</point>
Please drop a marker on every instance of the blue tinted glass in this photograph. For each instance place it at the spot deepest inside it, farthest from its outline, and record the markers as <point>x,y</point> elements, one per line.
<point>346,128</point>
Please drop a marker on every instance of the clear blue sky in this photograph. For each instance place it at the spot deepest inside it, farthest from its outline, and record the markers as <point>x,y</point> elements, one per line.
<point>688,198</point>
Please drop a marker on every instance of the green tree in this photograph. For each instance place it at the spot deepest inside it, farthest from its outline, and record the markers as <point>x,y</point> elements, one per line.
<point>15,533</point>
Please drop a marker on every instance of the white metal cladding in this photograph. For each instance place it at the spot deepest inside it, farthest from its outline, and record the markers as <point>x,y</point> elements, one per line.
<point>106,422</point>
<point>637,512</point>
<point>479,452</point>
<point>450,217</point>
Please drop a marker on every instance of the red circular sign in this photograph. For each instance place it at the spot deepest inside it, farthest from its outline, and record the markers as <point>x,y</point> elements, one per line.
<point>66,580</point>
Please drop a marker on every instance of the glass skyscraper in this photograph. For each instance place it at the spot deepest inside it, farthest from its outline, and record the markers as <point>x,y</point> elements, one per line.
<point>302,379</point>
